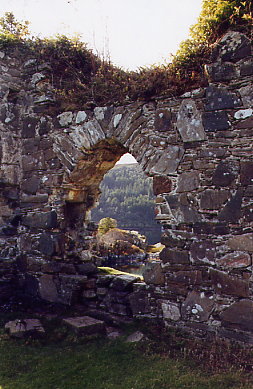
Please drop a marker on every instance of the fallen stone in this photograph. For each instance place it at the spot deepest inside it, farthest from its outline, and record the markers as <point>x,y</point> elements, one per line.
<point>21,328</point>
<point>135,337</point>
<point>85,325</point>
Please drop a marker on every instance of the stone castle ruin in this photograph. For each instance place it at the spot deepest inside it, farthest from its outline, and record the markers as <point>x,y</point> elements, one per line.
<point>198,149</point>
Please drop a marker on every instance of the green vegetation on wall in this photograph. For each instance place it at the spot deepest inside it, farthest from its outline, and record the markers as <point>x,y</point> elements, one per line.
<point>127,196</point>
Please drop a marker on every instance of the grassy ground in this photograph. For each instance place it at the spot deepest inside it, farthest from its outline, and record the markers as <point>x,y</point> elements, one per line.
<point>100,364</point>
<point>62,361</point>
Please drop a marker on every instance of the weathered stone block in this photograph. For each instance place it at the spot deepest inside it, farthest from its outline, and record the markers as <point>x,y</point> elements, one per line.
<point>31,284</point>
<point>189,122</point>
<point>123,282</point>
<point>139,302</point>
<point>187,277</point>
<point>104,280</point>
<point>242,242</point>
<point>215,121</point>
<point>85,325</point>
<point>47,244</point>
<point>203,252</point>
<point>119,309</point>
<point>225,284</point>
<point>174,256</point>
<point>28,127</point>
<point>237,259</point>
<point>169,239</point>
<point>233,46</point>
<point>248,213</point>
<point>246,173</point>
<point>220,98</point>
<point>239,315</point>
<point>213,199</point>
<point>70,288</point>
<point>197,307</point>
<point>246,68</point>
<point>163,120</point>
<point>168,161</point>
<point>87,268</point>
<point>225,174</point>
<point>171,311</point>
<point>221,72</point>
<point>188,181</point>
<point>211,228</point>
<point>31,185</point>
<point>182,210</point>
<point>47,288</point>
<point>233,209</point>
<point>41,220</point>
<point>153,273</point>
<point>65,118</point>
<point>161,184</point>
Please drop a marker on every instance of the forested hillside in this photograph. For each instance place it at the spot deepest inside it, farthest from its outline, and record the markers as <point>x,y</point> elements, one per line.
<point>127,196</point>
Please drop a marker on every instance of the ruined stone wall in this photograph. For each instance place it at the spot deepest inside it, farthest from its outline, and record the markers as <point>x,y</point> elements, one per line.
<point>198,148</point>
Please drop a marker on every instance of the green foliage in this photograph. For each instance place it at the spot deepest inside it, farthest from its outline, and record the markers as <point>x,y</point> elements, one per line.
<point>127,195</point>
<point>216,17</point>
<point>12,28</point>
<point>106,224</point>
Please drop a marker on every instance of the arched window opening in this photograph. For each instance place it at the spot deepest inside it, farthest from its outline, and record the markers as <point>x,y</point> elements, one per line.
<point>127,197</point>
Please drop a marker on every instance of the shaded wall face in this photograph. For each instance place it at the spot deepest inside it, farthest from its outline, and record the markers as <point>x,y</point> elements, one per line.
<point>198,148</point>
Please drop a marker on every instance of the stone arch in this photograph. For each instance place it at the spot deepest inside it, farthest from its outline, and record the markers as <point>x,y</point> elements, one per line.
<point>198,148</point>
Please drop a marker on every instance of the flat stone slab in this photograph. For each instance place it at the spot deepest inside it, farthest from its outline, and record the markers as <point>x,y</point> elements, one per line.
<point>85,325</point>
<point>21,328</point>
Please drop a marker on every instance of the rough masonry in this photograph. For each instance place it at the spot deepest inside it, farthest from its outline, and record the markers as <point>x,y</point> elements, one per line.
<point>198,149</point>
